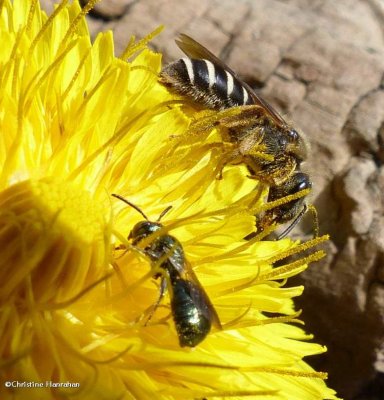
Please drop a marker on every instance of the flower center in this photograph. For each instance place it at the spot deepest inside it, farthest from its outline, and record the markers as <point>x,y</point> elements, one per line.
<point>52,241</point>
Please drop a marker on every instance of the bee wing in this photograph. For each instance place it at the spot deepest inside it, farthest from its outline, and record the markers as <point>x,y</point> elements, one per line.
<point>194,49</point>
<point>199,295</point>
<point>279,120</point>
<point>177,259</point>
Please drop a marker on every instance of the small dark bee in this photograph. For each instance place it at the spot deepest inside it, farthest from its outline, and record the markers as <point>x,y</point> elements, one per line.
<point>208,81</point>
<point>192,311</point>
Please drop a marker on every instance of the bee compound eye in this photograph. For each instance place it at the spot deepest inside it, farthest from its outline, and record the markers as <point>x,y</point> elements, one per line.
<point>293,135</point>
<point>301,181</point>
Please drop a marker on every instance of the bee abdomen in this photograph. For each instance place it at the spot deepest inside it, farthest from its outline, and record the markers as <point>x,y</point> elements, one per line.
<point>206,83</point>
<point>191,323</point>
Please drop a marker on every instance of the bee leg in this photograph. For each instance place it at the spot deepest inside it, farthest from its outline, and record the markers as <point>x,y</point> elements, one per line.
<point>266,221</point>
<point>127,248</point>
<point>236,118</point>
<point>242,117</point>
<point>250,236</point>
<point>205,122</point>
<point>276,173</point>
<point>297,219</point>
<point>262,224</point>
<point>153,308</point>
<point>219,172</point>
<point>219,169</point>
<point>232,157</point>
<point>287,211</point>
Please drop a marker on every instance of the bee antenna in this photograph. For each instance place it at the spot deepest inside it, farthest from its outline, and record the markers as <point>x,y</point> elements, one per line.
<point>294,223</point>
<point>131,205</point>
<point>163,213</point>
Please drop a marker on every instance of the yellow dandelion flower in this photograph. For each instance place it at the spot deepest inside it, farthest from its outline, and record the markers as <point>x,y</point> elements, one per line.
<point>77,297</point>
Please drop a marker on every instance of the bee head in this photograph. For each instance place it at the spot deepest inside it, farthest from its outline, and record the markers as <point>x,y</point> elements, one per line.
<point>297,145</point>
<point>297,182</point>
<point>142,230</point>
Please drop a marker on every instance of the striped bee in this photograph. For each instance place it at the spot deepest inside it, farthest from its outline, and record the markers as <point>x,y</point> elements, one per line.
<point>192,311</point>
<point>205,79</point>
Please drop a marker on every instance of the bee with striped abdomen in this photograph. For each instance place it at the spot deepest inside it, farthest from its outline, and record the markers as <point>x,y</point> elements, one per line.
<point>205,79</point>
<point>192,311</point>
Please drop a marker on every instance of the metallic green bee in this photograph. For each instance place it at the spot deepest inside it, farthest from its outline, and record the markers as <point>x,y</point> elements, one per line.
<point>192,311</point>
